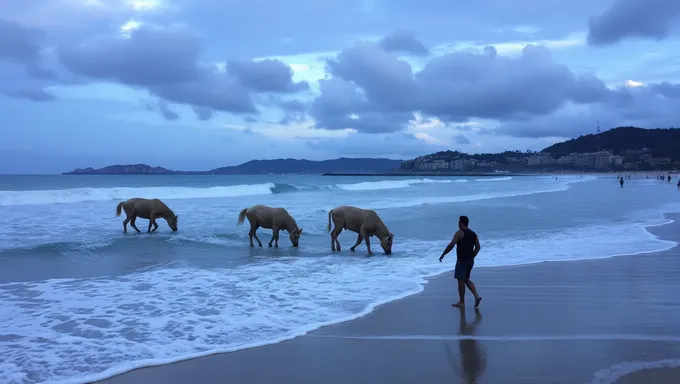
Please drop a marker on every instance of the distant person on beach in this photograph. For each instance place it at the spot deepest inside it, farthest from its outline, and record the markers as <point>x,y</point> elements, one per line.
<point>669,178</point>
<point>468,248</point>
<point>678,184</point>
<point>621,182</point>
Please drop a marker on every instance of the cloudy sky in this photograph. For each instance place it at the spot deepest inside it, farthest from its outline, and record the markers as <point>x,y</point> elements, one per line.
<point>197,84</point>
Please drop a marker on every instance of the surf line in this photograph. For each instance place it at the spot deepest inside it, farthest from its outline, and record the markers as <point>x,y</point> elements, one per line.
<point>635,337</point>
<point>615,372</point>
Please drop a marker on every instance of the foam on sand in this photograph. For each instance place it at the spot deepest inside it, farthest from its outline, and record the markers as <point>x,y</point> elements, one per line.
<point>612,374</point>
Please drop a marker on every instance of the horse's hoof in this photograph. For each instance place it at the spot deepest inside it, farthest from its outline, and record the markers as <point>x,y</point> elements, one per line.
<point>351,249</point>
<point>260,245</point>
<point>252,245</point>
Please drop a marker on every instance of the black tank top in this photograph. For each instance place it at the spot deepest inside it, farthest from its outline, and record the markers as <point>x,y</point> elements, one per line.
<point>465,246</point>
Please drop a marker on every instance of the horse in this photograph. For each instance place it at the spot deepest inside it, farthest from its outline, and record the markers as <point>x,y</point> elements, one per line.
<point>275,219</point>
<point>150,209</point>
<point>365,222</point>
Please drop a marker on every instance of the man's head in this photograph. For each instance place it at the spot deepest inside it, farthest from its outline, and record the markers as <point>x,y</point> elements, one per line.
<point>463,222</point>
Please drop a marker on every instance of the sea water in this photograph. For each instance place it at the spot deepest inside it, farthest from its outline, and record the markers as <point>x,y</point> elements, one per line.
<point>80,300</point>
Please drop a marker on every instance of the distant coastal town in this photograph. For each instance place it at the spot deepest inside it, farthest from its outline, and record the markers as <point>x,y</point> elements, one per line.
<point>532,162</point>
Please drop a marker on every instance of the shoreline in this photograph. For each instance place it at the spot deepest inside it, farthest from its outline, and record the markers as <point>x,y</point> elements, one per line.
<point>113,375</point>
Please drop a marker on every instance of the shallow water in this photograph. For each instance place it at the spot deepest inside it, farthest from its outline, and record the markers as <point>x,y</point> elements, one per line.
<point>81,300</point>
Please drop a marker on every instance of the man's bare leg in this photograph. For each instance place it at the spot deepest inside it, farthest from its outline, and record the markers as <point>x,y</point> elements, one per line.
<point>473,289</point>
<point>461,294</point>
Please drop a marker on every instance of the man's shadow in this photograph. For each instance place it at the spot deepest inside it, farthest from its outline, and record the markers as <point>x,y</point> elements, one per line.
<point>471,354</point>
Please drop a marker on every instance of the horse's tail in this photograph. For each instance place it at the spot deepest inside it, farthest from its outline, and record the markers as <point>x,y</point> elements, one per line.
<point>330,214</point>
<point>242,216</point>
<point>119,207</point>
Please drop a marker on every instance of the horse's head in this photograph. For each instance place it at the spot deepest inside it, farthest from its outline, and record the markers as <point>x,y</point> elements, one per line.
<point>172,222</point>
<point>295,237</point>
<point>386,244</point>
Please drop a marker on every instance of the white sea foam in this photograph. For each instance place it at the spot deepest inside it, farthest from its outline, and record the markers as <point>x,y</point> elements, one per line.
<point>425,200</point>
<point>75,330</point>
<point>612,374</point>
<point>389,184</point>
<point>504,178</point>
<point>80,195</point>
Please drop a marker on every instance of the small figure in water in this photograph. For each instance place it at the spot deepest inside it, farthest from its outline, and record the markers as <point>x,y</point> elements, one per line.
<point>621,182</point>
<point>669,178</point>
<point>679,185</point>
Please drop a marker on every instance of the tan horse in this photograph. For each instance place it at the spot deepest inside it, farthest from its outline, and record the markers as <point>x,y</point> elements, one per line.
<point>365,222</point>
<point>275,219</point>
<point>150,209</point>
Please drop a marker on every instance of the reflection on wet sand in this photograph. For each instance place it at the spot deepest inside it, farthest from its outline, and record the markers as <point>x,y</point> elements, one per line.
<point>471,354</point>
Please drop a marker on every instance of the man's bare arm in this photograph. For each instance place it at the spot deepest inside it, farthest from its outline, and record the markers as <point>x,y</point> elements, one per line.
<point>452,244</point>
<point>477,248</point>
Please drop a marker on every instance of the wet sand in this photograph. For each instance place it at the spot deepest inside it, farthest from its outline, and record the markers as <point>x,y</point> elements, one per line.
<point>594,321</point>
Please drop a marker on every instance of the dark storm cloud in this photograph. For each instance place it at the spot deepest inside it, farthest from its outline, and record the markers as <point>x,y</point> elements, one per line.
<point>651,106</point>
<point>23,46</point>
<point>266,76</point>
<point>651,19</point>
<point>148,57</point>
<point>342,105</point>
<point>461,139</point>
<point>166,62</point>
<point>19,43</point>
<point>33,94</point>
<point>202,113</point>
<point>167,113</point>
<point>373,90</point>
<point>375,145</point>
<point>403,41</point>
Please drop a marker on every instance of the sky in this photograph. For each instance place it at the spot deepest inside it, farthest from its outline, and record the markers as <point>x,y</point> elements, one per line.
<point>199,84</point>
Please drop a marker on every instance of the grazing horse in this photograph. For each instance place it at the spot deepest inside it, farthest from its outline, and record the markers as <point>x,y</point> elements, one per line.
<point>150,209</point>
<point>365,222</point>
<point>275,219</point>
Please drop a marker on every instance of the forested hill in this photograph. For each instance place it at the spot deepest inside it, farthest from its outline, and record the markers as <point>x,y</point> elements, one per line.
<point>660,142</point>
<point>343,164</point>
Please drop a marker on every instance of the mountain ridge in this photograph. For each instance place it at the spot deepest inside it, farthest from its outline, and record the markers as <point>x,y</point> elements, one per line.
<point>257,167</point>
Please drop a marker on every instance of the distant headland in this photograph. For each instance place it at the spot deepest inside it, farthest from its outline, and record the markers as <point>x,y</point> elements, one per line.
<point>259,167</point>
<point>620,149</point>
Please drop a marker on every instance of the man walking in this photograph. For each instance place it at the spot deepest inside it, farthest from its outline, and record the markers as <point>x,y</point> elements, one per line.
<point>468,248</point>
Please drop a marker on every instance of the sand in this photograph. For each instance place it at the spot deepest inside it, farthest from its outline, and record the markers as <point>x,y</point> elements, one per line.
<point>614,320</point>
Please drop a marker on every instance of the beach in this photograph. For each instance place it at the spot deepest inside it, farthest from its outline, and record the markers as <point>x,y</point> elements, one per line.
<point>83,302</point>
<point>610,320</point>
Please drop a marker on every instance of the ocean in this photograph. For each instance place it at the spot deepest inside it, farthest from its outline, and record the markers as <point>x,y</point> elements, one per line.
<point>83,301</point>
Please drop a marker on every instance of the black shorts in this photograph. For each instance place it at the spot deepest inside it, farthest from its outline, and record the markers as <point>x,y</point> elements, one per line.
<point>463,269</point>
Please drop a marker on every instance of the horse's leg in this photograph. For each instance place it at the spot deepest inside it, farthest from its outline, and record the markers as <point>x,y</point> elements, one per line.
<point>152,221</point>
<point>276,238</point>
<point>133,225</point>
<point>360,238</point>
<point>253,233</point>
<point>125,223</point>
<point>335,244</point>
<point>155,226</point>
<point>275,232</point>
<point>368,241</point>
